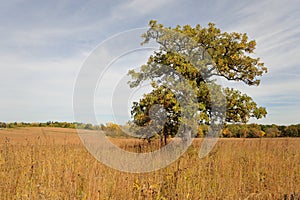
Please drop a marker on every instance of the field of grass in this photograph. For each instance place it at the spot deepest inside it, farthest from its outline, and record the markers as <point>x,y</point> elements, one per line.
<point>51,163</point>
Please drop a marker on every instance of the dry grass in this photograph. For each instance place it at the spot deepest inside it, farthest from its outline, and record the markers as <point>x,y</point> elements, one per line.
<point>51,163</point>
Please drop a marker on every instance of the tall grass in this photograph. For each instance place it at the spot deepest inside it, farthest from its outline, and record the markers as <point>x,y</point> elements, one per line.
<point>46,167</point>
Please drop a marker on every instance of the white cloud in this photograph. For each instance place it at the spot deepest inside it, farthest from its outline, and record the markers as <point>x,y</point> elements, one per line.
<point>43,45</point>
<point>138,8</point>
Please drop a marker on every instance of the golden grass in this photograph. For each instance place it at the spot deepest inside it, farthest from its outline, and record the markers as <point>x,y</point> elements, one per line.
<point>51,163</point>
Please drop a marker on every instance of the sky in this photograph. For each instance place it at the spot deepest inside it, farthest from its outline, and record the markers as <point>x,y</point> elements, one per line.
<point>45,44</point>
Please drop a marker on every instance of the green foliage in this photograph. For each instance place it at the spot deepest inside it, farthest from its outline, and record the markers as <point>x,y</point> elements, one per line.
<point>241,107</point>
<point>197,55</point>
<point>272,131</point>
<point>112,129</point>
<point>162,96</point>
<point>50,124</point>
<point>88,126</point>
<point>292,131</point>
<point>2,125</point>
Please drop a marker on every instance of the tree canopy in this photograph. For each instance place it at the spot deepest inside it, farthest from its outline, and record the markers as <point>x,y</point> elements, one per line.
<point>197,55</point>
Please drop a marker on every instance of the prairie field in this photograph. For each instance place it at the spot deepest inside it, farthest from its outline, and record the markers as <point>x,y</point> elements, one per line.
<point>52,163</point>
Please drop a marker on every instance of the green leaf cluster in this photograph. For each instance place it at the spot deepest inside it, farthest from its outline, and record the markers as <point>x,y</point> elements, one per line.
<point>197,55</point>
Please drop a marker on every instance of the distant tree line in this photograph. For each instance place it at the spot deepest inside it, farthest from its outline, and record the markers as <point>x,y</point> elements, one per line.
<point>259,130</point>
<point>48,124</point>
<point>229,131</point>
<point>110,129</point>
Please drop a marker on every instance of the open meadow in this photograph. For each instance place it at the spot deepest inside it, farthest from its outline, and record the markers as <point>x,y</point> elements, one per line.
<point>51,163</point>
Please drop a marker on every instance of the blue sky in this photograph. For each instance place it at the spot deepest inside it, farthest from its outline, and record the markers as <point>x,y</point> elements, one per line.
<point>44,44</point>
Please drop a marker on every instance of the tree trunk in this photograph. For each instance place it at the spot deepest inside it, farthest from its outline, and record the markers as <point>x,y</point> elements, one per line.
<point>165,139</point>
<point>186,134</point>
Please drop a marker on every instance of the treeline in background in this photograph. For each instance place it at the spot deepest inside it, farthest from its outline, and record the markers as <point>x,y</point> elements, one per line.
<point>229,130</point>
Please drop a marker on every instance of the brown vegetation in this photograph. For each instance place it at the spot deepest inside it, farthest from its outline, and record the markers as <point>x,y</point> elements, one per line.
<point>51,163</point>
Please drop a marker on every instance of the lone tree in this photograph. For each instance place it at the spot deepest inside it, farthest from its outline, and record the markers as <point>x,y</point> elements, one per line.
<point>198,55</point>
